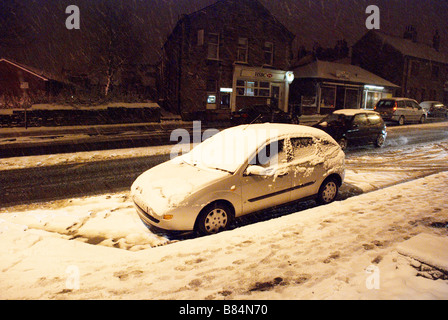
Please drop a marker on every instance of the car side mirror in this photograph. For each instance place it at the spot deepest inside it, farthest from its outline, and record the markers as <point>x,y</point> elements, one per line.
<point>255,171</point>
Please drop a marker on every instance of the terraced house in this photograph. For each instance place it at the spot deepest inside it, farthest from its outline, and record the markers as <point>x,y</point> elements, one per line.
<point>417,66</point>
<point>230,54</point>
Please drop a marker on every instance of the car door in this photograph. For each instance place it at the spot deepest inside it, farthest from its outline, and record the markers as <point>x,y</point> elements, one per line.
<point>418,111</point>
<point>375,126</point>
<point>359,130</point>
<point>410,112</point>
<point>306,167</point>
<point>273,188</point>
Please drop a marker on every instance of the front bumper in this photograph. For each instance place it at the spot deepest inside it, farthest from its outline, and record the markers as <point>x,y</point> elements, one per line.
<point>178,219</point>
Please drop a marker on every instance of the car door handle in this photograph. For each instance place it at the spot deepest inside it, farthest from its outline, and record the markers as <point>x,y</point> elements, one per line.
<point>282,174</point>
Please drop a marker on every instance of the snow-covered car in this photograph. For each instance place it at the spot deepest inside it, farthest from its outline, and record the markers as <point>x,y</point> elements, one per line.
<point>355,126</point>
<point>240,170</point>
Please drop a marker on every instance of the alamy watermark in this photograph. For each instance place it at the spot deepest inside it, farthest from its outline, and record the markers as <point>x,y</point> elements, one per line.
<point>373,20</point>
<point>73,277</point>
<point>73,21</point>
<point>373,278</point>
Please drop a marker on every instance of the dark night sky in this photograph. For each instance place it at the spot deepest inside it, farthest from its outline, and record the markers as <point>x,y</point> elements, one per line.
<point>50,45</point>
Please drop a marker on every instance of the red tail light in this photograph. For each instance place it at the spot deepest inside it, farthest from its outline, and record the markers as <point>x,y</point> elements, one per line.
<point>395,107</point>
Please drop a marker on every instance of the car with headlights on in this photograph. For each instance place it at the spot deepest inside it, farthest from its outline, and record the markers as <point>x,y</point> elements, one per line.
<point>238,171</point>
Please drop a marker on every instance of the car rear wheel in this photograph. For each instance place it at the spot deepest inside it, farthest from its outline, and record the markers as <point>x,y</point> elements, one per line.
<point>328,191</point>
<point>213,219</point>
<point>401,121</point>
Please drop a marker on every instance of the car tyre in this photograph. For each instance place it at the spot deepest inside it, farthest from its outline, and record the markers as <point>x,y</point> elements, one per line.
<point>328,191</point>
<point>213,218</point>
<point>380,140</point>
<point>401,121</point>
<point>343,143</point>
<point>422,120</point>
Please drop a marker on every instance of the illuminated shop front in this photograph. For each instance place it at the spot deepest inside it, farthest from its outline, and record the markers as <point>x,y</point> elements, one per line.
<point>322,87</point>
<point>260,86</point>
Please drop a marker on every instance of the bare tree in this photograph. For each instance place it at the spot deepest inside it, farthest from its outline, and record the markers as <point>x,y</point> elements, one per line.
<point>116,44</point>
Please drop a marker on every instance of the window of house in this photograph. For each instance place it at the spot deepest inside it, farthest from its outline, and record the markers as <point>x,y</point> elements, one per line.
<point>268,53</point>
<point>213,46</point>
<point>242,50</point>
<point>201,37</point>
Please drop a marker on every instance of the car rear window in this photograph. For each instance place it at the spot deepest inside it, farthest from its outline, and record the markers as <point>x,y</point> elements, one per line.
<point>384,104</point>
<point>374,118</point>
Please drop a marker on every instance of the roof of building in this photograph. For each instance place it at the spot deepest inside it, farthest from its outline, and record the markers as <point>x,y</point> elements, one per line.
<point>24,68</point>
<point>411,48</point>
<point>340,72</point>
<point>215,5</point>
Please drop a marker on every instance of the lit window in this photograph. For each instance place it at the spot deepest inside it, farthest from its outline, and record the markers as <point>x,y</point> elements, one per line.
<point>253,88</point>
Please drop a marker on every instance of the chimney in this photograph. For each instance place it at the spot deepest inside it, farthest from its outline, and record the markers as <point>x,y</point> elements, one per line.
<point>436,41</point>
<point>410,33</point>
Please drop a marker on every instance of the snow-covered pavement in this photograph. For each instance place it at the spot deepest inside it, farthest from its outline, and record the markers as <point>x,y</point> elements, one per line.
<point>96,247</point>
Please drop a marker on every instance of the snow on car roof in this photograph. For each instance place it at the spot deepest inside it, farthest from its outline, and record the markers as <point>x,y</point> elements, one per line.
<point>352,112</point>
<point>228,149</point>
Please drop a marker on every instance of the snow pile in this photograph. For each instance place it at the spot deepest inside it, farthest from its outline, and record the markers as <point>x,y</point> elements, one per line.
<point>345,250</point>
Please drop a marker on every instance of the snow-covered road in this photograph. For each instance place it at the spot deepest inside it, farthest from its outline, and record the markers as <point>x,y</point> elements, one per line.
<point>319,252</point>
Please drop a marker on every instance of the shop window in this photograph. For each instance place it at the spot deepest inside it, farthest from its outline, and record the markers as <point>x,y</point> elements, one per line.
<point>268,53</point>
<point>213,46</point>
<point>242,50</point>
<point>253,88</point>
<point>351,99</point>
<point>328,97</point>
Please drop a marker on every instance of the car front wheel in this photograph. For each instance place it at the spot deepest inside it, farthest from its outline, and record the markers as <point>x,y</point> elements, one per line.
<point>213,219</point>
<point>328,191</point>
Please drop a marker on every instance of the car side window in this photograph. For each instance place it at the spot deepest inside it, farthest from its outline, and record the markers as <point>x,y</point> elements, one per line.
<point>271,155</point>
<point>360,119</point>
<point>303,147</point>
<point>416,106</point>
<point>409,104</point>
<point>400,104</point>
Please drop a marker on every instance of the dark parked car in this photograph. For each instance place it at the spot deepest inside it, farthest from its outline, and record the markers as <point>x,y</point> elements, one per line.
<point>262,114</point>
<point>355,126</point>
<point>435,109</point>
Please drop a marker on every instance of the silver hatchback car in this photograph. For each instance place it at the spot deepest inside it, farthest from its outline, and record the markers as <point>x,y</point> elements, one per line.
<point>238,171</point>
